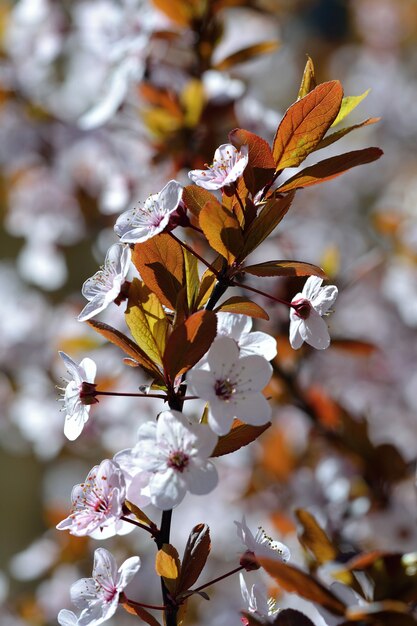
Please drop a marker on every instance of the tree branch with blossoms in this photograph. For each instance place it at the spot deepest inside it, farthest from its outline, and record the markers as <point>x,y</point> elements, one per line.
<point>194,340</point>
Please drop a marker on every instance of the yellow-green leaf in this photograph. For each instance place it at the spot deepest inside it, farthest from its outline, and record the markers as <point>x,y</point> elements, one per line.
<point>139,514</point>
<point>192,279</point>
<point>338,134</point>
<point>246,54</point>
<point>308,82</point>
<point>222,230</point>
<point>193,99</point>
<point>305,124</point>
<point>349,103</point>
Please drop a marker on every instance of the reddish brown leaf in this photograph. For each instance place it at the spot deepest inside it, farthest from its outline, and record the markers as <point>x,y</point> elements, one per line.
<point>330,168</point>
<point>127,345</point>
<point>291,617</point>
<point>305,124</point>
<point>327,141</point>
<point>189,342</point>
<point>295,580</point>
<point>195,198</point>
<point>261,160</point>
<point>354,346</point>
<point>195,556</point>
<point>284,268</point>
<point>262,226</point>
<point>160,263</point>
<point>246,54</point>
<point>141,612</point>
<point>387,613</point>
<point>179,11</point>
<point>308,82</point>
<point>240,435</point>
<point>314,538</point>
<point>240,304</point>
<point>222,230</point>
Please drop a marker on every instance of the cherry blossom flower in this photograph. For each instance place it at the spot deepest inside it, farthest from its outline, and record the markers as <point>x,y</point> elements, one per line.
<point>97,503</point>
<point>232,385</point>
<point>67,618</point>
<point>79,394</point>
<point>306,323</point>
<point>238,327</point>
<point>140,224</point>
<point>98,597</point>
<point>259,545</point>
<point>228,164</point>
<point>106,284</point>
<point>175,453</point>
<point>257,601</point>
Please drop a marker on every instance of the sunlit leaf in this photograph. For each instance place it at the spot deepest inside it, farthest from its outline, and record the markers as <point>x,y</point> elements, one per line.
<point>314,538</point>
<point>195,197</point>
<point>284,268</point>
<point>261,160</point>
<point>189,342</point>
<point>246,54</point>
<point>240,435</point>
<point>295,580</point>
<point>338,134</point>
<point>195,556</point>
<point>139,514</point>
<point>222,230</point>
<point>244,306</point>
<point>179,11</point>
<point>349,103</point>
<point>308,82</point>
<point>192,279</point>
<point>160,263</point>
<point>167,565</point>
<point>330,168</point>
<point>193,99</point>
<point>268,219</point>
<point>305,124</point>
<point>144,615</point>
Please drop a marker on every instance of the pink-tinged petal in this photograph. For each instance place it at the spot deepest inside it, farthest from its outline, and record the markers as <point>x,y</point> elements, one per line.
<point>167,489</point>
<point>315,332</point>
<point>98,612</point>
<point>201,480</point>
<point>83,591</point>
<point>325,299</point>
<point>74,424</point>
<point>296,339</point>
<point>127,571</point>
<point>104,565</point>
<point>67,618</point>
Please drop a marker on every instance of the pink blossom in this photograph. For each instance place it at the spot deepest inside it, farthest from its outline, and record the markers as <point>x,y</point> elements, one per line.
<point>228,164</point>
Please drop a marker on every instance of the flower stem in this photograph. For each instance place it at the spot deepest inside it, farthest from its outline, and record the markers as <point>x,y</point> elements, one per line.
<point>160,396</point>
<point>262,293</point>
<point>125,518</point>
<point>145,606</point>
<point>218,579</point>
<point>194,253</point>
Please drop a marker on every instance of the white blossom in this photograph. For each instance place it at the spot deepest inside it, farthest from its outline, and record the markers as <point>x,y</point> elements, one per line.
<point>98,597</point>
<point>260,545</point>
<point>105,286</point>
<point>306,322</point>
<point>98,502</point>
<point>140,224</point>
<point>228,165</point>
<point>79,394</point>
<point>257,601</point>
<point>238,327</point>
<point>67,618</point>
<point>174,453</point>
<point>232,385</point>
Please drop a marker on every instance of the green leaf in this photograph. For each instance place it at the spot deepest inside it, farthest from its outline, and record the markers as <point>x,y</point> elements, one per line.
<point>273,212</point>
<point>305,123</point>
<point>349,103</point>
<point>308,82</point>
<point>284,268</point>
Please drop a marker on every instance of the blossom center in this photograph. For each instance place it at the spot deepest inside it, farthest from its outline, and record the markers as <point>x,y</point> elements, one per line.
<point>178,460</point>
<point>302,308</point>
<point>225,388</point>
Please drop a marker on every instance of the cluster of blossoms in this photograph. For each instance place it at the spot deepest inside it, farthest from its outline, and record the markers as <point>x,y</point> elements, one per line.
<point>172,454</point>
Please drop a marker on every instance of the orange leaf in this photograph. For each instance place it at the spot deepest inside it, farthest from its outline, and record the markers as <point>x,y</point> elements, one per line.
<point>284,268</point>
<point>261,160</point>
<point>179,11</point>
<point>330,168</point>
<point>195,197</point>
<point>160,263</point>
<point>222,230</point>
<point>240,304</point>
<point>354,347</point>
<point>327,141</point>
<point>240,435</point>
<point>308,82</point>
<point>246,54</point>
<point>314,538</point>
<point>305,124</point>
<point>189,342</point>
<point>295,580</point>
<point>140,612</point>
<point>262,226</point>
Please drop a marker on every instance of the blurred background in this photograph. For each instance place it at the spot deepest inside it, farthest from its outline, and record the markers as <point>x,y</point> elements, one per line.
<point>101,103</point>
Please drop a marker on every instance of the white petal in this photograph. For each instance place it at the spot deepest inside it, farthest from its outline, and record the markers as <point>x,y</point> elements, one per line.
<point>74,424</point>
<point>201,480</point>
<point>83,591</point>
<point>258,343</point>
<point>67,618</point>
<point>201,383</point>
<point>167,489</point>
<point>71,367</point>
<point>233,325</point>
<point>222,355</point>
<point>127,571</point>
<point>311,287</point>
<point>315,332</point>
<point>170,196</point>
<point>218,421</point>
<point>253,409</point>
<point>89,368</point>
<point>254,373</point>
<point>325,299</point>
<point>296,339</point>
<point>104,565</point>
<point>94,307</point>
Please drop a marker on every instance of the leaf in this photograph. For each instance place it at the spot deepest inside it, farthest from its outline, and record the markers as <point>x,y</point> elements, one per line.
<point>208,281</point>
<point>291,617</point>
<point>308,82</point>
<point>139,514</point>
<point>246,54</point>
<point>330,168</point>
<point>192,279</point>
<point>387,613</point>
<point>168,566</point>
<point>327,141</point>
<point>314,538</point>
<point>146,320</point>
<point>268,219</point>
<point>354,347</point>
<point>305,124</point>
<point>295,580</point>
<point>284,268</point>
<point>244,306</point>
<point>189,342</point>
<point>179,11</point>
<point>349,103</point>
<point>240,435</point>
<point>261,160</point>
<point>127,345</point>
<point>192,99</point>
<point>222,230</point>
<point>160,263</point>
<point>195,556</point>
<point>140,612</point>
<point>195,197</point>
